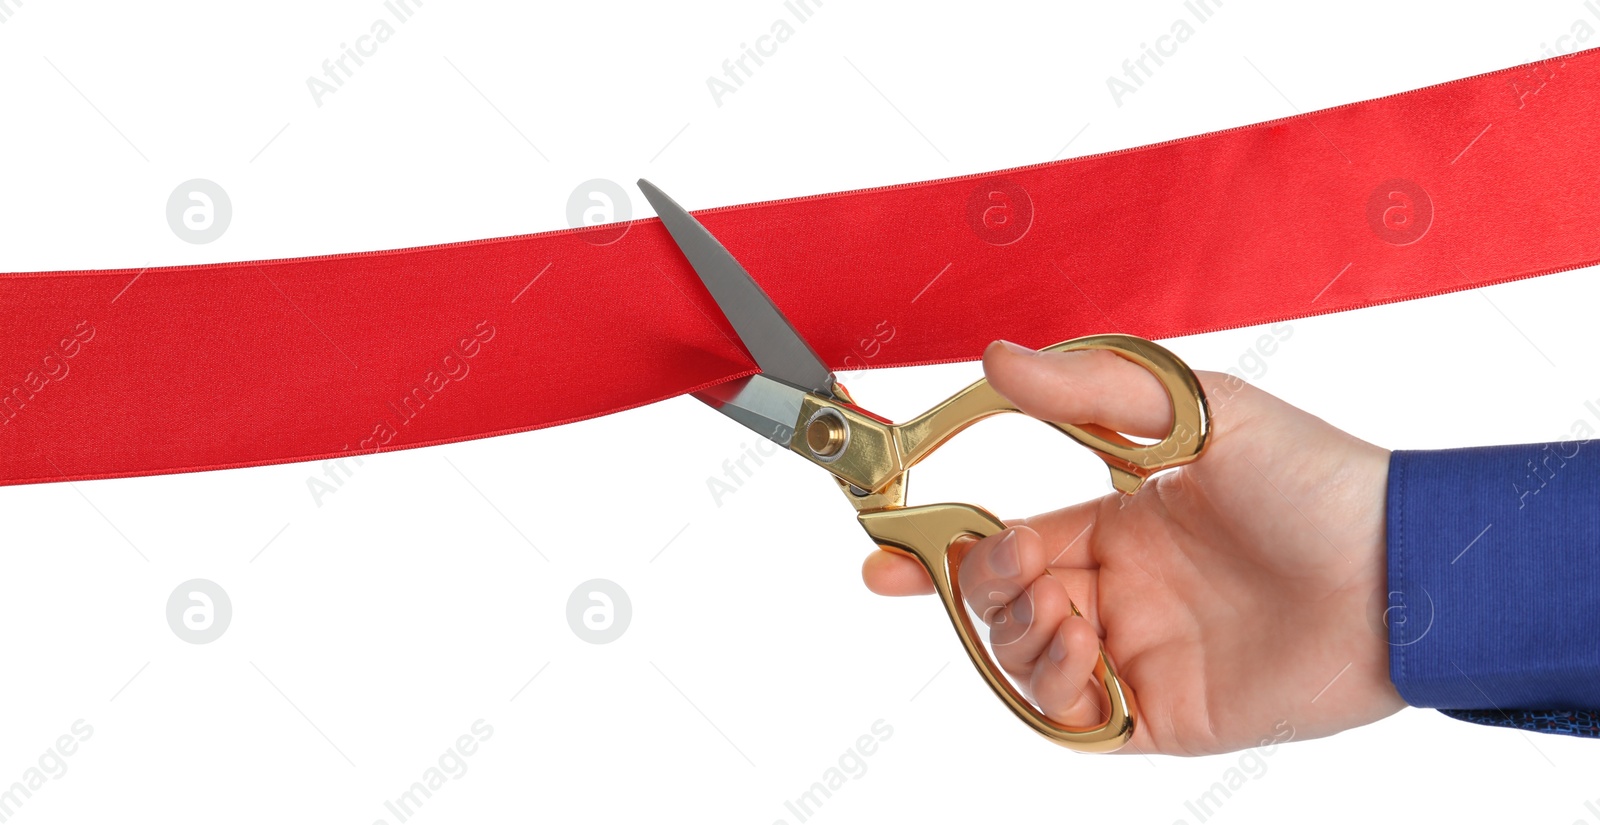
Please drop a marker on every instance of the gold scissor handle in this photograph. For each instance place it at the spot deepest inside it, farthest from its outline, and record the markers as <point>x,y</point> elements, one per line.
<point>930,534</point>
<point>1130,463</point>
<point>870,458</point>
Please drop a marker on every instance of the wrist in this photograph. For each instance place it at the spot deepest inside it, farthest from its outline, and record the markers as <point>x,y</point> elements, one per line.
<point>1375,605</point>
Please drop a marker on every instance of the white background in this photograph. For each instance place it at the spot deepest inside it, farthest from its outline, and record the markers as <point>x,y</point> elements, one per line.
<point>370,632</point>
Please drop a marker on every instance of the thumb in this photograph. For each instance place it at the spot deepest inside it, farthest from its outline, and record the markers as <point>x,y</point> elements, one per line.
<point>1080,387</point>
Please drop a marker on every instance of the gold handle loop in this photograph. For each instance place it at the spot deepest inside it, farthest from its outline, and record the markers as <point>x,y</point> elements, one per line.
<point>928,534</point>
<point>1130,463</point>
<point>878,453</point>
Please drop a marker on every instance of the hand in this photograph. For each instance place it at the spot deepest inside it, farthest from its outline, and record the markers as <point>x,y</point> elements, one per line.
<point>1232,594</point>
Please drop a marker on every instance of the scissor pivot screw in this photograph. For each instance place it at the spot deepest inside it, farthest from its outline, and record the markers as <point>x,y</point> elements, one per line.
<point>827,433</point>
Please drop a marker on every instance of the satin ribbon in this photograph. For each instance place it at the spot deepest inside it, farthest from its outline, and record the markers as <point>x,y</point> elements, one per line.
<point>1474,182</point>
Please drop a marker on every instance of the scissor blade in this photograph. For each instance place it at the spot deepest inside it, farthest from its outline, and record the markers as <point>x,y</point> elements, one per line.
<point>767,334</point>
<point>770,408</point>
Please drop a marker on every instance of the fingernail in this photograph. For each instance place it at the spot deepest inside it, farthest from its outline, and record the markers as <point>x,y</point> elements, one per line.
<point>1016,348</point>
<point>1007,556</point>
<point>1058,650</point>
<point>1022,610</point>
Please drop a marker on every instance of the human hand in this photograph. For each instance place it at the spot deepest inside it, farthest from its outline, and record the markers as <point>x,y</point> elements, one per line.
<point>1232,594</point>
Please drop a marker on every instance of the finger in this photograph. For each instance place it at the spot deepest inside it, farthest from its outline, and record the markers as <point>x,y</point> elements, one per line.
<point>996,569</point>
<point>1082,588</point>
<point>1023,630</point>
<point>1063,680</point>
<point>1067,534</point>
<point>894,574</point>
<point>1081,387</point>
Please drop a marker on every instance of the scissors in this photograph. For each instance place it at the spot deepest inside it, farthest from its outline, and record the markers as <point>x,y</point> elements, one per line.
<point>795,401</point>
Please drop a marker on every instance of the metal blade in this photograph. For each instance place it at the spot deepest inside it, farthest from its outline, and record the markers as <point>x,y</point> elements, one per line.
<point>769,408</point>
<point>777,348</point>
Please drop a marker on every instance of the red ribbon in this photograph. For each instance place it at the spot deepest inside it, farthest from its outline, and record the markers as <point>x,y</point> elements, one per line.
<point>1479,181</point>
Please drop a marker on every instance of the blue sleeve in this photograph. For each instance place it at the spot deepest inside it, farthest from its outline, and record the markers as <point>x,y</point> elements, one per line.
<point>1493,612</point>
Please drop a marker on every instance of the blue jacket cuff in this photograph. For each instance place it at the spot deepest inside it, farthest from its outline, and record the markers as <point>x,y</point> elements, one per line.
<point>1494,576</point>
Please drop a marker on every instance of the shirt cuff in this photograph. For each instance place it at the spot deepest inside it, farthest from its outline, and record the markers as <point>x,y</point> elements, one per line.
<point>1494,576</point>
